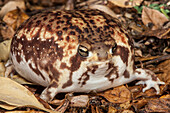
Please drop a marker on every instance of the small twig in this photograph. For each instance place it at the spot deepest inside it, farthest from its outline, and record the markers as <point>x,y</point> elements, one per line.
<point>161,58</point>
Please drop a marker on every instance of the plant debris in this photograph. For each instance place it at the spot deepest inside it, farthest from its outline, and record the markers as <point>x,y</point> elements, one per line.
<point>148,24</point>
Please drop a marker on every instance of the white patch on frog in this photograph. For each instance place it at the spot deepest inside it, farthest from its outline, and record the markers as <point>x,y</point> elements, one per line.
<point>25,71</point>
<point>52,91</point>
<point>120,64</point>
<point>113,76</point>
<point>96,81</point>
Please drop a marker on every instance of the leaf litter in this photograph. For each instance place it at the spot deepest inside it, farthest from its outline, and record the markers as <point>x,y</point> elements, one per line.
<point>148,24</point>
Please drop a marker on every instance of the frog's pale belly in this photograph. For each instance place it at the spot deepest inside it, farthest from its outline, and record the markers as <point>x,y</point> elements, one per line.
<point>76,51</point>
<point>24,69</point>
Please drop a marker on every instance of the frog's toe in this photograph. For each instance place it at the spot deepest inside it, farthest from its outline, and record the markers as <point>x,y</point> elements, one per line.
<point>150,84</point>
<point>49,93</point>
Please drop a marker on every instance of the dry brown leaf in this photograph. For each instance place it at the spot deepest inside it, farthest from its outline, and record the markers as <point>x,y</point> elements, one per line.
<point>127,111</point>
<point>11,5</point>
<point>4,50</point>
<point>79,101</point>
<point>7,106</point>
<point>137,104</point>
<point>118,95</point>
<point>148,93</point>
<point>63,106</point>
<point>15,18</point>
<point>2,69</point>
<point>6,31</point>
<point>153,16</point>
<point>165,96</point>
<point>112,109</point>
<point>159,105</point>
<point>126,3</point>
<point>30,111</point>
<point>163,33</point>
<point>126,105</point>
<point>20,80</point>
<point>17,95</point>
<point>164,67</point>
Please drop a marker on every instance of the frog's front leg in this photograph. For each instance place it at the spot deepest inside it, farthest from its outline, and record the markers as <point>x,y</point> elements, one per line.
<point>149,78</point>
<point>49,92</point>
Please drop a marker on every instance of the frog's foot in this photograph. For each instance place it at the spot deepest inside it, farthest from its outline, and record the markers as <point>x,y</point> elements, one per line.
<point>49,92</point>
<point>9,69</point>
<point>149,78</point>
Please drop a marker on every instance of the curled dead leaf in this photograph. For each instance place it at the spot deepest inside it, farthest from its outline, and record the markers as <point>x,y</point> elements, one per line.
<point>79,101</point>
<point>2,69</point>
<point>164,68</point>
<point>118,95</point>
<point>163,33</point>
<point>20,80</point>
<point>11,5</point>
<point>137,104</point>
<point>4,50</point>
<point>165,96</point>
<point>6,31</point>
<point>7,106</point>
<point>153,16</point>
<point>15,18</point>
<point>158,105</point>
<point>17,95</point>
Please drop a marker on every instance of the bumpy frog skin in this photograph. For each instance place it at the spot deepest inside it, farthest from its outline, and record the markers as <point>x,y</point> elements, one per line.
<point>76,51</point>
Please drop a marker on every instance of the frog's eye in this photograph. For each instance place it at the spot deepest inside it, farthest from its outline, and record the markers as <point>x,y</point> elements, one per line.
<point>112,50</point>
<point>83,51</point>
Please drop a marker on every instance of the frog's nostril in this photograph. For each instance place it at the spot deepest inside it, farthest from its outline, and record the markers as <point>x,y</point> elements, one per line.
<point>102,55</point>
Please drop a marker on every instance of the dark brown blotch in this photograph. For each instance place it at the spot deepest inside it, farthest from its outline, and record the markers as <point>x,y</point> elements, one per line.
<point>86,30</point>
<point>34,18</point>
<point>59,33</point>
<point>78,30</point>
<point>65,28</point>
<point>45,18</point>
<point>68,38</point>
<point>95,26</point>
<point>69,82</point>
<point>38,22</point>
<point>58,18</point>
<point>75,65</point>
<point>94,68</point>
<point>106,27</point>
<point>51,20</point>
<point>72,33</point>
<point>54,71</point>
<point>58,27</point>
<point>98,30</point>
<point>37,71</point>
<point>126,74</point>
<point>64,66</point>
<point>28,26</point>
<point>114,71</point>
<point>123,52</point>
<point>48,27</point>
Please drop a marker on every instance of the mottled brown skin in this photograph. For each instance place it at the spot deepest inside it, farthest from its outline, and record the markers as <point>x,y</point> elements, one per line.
<point>76,51</point>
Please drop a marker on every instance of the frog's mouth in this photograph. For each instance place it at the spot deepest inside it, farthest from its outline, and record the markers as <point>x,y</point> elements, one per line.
<point>100,68</point>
